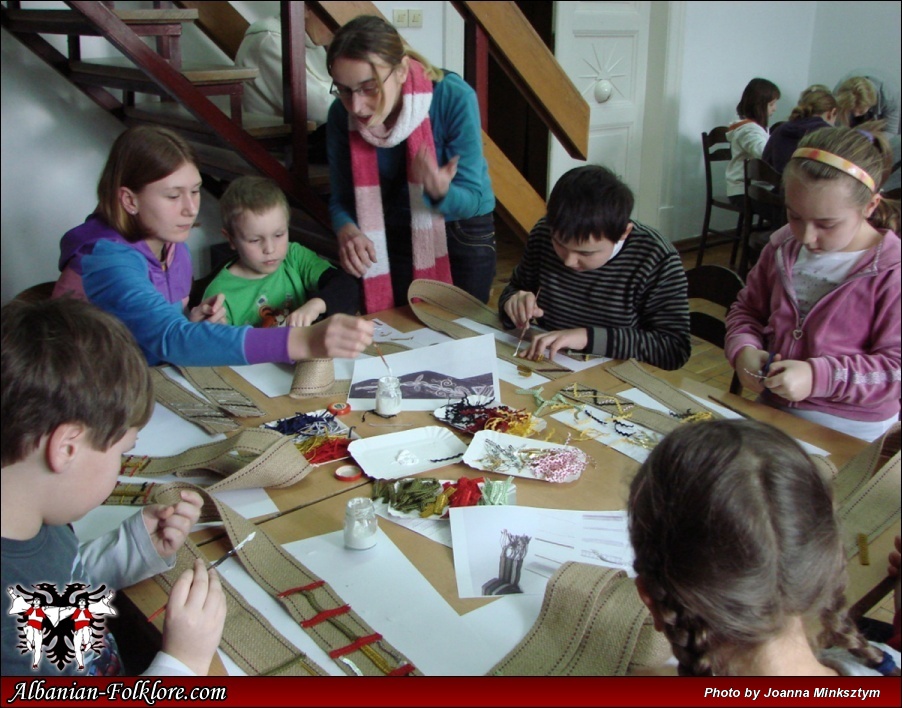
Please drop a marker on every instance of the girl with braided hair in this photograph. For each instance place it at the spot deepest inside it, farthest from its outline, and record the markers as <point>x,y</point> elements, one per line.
<point>738,553</point>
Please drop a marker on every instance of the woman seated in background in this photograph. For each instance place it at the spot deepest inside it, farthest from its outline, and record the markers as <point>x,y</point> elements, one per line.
<point>817,109</point>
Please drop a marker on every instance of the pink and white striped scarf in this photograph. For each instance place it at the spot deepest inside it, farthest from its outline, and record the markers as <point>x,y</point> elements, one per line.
<point>430,247</point>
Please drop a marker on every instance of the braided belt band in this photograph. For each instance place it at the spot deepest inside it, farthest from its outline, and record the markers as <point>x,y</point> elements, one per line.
<point>438,304</point>
<point>210,382</point>
<point>329,621</point>
<point>670,396</point>
<point>254,457</point>
<point>592,623</point>
<point>192,408</point>
<point>868,490</point>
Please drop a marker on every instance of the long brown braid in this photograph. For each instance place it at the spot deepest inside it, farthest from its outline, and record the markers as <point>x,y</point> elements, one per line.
<point>734,533</point>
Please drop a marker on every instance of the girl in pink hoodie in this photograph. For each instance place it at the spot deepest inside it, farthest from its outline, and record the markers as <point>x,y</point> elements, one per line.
<point>816,331</point>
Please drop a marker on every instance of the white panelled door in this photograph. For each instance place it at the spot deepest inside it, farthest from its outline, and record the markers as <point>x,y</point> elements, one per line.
<point>603,48</point>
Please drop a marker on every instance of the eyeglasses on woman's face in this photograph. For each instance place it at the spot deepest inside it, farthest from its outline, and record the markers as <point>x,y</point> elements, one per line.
<point>368,89</point>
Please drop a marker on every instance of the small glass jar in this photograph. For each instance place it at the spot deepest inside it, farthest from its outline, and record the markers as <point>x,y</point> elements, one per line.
<point>388,396</point>
<point>361,524</point>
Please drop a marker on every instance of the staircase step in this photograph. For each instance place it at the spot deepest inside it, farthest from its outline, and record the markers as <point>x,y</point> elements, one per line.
<point>174,115</point>
<point>226,165</point>
<point>121,73</point>
<point>142,22</point>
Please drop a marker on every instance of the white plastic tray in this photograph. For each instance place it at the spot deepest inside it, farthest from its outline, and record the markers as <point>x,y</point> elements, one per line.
<point>379,456</point>
<point>477,449</point>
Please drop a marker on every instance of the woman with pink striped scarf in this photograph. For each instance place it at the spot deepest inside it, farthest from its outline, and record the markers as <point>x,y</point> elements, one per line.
<point>411,195</point>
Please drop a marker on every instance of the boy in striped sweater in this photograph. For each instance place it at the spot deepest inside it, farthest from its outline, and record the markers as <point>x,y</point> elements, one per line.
<point>606,285</point>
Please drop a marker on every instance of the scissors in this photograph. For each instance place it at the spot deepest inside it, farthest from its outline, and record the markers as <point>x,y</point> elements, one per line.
<point>765,370</point>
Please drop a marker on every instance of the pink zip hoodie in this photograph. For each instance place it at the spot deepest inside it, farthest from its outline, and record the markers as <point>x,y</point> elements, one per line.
<point>851,337</point>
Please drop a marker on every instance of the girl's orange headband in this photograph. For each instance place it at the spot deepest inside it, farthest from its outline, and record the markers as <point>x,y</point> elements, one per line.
<point>840,163</point>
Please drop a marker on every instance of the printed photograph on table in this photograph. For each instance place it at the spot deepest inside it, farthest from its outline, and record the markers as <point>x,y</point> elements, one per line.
<point>505,550</point>
<point>430,376</point>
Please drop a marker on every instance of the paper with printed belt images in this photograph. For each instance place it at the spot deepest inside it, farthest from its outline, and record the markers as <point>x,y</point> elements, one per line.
<point>430,375</point>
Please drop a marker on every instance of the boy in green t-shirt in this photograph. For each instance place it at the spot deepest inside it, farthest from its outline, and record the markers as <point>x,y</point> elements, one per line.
<point>273,282</point>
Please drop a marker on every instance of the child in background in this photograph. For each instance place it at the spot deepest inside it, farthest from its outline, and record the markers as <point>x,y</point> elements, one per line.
<point>609,285</point>
<point>816,109</point>
<point>866,95</point>
<point>823,300</point>
<point>748,133</point>
<point>75,391</point>
<point>134,263</point>
<point>273,282</point>
<point>737,547</point>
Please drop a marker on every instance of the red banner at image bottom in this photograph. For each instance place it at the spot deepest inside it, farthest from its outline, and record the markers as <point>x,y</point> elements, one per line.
<point>446,691</point>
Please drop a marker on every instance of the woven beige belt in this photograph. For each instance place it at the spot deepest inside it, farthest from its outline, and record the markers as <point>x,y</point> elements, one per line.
<point>319,610</point>
<point>868,490</point>
<point>251,640</point>
<point>674,399</point>
<point>192,408</point>
<point>255,457</point>
<point>316,377</point>
<point>592,623</point>
<point>209,381</point>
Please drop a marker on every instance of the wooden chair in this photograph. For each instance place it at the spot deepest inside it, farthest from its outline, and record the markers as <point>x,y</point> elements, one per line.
<point>716,148</point>
<point>720,286</point>
<point>763,197</point>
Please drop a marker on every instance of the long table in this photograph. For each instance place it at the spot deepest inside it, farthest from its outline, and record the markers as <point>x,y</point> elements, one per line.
<point>316,505</point>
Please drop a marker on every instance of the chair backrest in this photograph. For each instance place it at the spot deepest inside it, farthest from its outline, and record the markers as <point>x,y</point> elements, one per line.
<point>757,174</point>
<point>713,153</point>
<point>717,285</point>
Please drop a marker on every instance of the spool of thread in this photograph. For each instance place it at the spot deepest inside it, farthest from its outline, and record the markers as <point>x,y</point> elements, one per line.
<point>348,473</point>
<point>339,408</point>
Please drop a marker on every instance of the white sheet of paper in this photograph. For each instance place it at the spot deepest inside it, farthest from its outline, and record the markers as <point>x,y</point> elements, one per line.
<point>274,380</point>
<point>605,434</point>
<point>169,434</point>
<point>438,530</point>
<point>555,536</point>
<point>371,581</point>
<point>458,358</point>
<point>507,371</point>
<point>559,359</point>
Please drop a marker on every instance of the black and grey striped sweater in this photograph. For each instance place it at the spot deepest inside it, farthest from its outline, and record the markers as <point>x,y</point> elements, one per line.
<point>633,306</point>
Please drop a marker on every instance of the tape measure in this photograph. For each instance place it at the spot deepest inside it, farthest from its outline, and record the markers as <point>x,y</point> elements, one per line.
<point>338,409</point>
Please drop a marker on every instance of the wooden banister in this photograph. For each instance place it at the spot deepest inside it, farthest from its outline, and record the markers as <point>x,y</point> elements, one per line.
<point>183,91</point>
<point>520,52</point>
<point>221,22</point>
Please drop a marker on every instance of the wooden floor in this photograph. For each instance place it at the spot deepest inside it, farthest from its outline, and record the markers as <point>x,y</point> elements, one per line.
<point>707,363</point>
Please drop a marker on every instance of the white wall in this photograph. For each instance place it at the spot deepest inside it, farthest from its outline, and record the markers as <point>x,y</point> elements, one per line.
<point>854,35</point>
<point>725,44</point>
<point>794,44</point>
